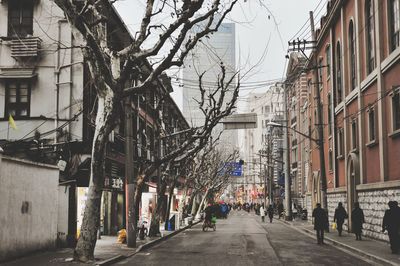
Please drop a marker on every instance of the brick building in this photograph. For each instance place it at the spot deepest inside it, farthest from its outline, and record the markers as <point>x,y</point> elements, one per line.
<point>357,64</point>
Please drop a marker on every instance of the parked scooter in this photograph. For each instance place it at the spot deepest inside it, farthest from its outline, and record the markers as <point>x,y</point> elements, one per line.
<point>142,230</point>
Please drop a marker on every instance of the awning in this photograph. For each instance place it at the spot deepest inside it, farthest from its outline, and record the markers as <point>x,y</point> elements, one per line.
<point>17,73</point>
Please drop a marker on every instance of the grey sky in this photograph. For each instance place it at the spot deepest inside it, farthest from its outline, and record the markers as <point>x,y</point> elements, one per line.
<point>255,30</point>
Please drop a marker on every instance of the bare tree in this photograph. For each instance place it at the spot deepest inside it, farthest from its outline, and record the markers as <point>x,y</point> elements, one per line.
<point>111,69</point>
<point>215,104</point>
<point>210,173</point>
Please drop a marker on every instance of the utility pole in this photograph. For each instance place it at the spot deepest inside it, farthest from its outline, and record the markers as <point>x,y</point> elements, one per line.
<point>129,175</point>
<point>324,202</point>
<point>288,200</point>
<point>270,169</point>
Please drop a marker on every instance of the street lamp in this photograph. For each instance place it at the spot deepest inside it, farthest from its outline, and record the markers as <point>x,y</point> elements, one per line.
<point>288,201</point>
<point>319,143</point>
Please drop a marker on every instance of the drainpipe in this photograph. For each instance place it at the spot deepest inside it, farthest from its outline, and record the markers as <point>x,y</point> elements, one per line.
<point>57,73</point>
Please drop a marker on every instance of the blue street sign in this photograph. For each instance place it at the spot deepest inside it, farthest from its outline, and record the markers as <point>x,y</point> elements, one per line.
<point>234,168</point>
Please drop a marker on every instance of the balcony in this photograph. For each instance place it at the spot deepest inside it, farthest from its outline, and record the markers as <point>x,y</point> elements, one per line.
<point>25,47</point>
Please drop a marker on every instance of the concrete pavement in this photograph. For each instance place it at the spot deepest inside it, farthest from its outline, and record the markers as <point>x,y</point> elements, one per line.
<point>106,252</point>
<point>243,240</point>
<point>375,250</point>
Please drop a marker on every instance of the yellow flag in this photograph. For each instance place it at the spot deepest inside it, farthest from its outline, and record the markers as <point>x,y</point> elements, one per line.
<point>11,122</point>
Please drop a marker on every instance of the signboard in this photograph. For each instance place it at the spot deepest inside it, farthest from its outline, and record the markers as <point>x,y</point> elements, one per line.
<point>234,168</point>
<point>240,121</point>
<point>114,183</point>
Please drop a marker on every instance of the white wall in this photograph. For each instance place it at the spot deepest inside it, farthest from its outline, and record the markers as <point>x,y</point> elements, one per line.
<point>28,210</point>
<point>49,25</point>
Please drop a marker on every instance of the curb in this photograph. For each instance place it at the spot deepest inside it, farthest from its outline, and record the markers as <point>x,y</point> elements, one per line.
<point>111,260</point>
<point>344,246</point>
<point>158,240</point>
<point>355,250</point>
<point>143,247</point>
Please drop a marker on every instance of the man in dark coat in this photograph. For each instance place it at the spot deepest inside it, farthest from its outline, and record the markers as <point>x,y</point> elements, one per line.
<point>357,220</point>
<point>270,212</point>
<point>321,222</point>
<point>340,216</point>
<point>391,223</point>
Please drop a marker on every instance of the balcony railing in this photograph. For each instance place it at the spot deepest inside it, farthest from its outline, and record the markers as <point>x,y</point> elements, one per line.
<point>25,47</point>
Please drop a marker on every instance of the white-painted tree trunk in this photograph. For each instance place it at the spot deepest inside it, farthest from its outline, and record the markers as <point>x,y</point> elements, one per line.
<point>84,250</point>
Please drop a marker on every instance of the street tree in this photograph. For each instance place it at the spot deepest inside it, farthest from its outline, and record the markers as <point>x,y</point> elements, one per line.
<point>216,102</point>
<point>210,173</point>
<point>111,70</point>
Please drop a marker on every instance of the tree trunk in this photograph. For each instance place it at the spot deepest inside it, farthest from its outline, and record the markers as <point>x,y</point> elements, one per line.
<point>157,212</point>
<point>84,250</point>
<point>136,202</point>
<point>202,203</point>
<point>194,203</point>
<point>168,211</point>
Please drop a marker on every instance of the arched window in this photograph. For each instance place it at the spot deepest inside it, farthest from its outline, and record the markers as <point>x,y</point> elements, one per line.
<point>394,23</point>
<point>338,60</point>
<point>352,51</point>
<point>369,22</point>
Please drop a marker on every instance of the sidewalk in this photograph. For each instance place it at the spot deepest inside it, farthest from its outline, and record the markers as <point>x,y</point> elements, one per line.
<point>375,250</point>
<point>106,252</point>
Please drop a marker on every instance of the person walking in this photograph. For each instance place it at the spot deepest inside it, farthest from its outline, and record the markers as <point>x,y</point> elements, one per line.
<point>262,213</point>
<point>294,211</point>
<point>321,222</point>
<point>270,212</point>
<point>357,220</point>
<point>339,217</point>
<point>280,209</point>
<point>391,223</point>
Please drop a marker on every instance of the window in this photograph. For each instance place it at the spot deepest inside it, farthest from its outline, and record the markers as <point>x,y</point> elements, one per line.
<point>394,23</point>
<point>338,74</point>
<point>354,134</point>
<point>371,124</point>
<point>369,16</point>
<point>328,61</point>
<point>267,109</point>
<point>20,18</point>
<point>396,110</point>
<point>340,143</point>
<point>329,115</point>
<point>320,73</point>
<point>352,50</point>
<point>17,98</point>
<point>330,159</point>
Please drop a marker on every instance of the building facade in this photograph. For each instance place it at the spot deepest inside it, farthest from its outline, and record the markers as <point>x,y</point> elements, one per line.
<point>207,57</point>
<point>46,89</point>
<point>298,108</point>
<point>356,68</point>
<point>262,151</point>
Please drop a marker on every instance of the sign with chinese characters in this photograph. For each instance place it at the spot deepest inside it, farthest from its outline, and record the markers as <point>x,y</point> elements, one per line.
<point>233,168</point>
<point>114,183</point>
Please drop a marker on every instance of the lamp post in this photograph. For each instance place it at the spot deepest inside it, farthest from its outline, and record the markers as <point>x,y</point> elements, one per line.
<point>287,162</point>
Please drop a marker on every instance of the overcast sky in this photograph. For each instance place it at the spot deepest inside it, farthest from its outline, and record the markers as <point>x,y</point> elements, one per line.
<point>261,29</point>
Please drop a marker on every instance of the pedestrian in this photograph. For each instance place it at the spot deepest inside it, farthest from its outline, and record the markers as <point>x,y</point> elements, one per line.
<point>357,220</point>
<point>339,217</point>
<point>321,222</point>
<point>270,212</point>
<point>294,211</point>
<point>262,213</point>
<point>391,223</point>
<point>280,209</point>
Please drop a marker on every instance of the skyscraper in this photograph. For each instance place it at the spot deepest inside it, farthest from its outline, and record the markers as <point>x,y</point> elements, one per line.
<point>207,57</point>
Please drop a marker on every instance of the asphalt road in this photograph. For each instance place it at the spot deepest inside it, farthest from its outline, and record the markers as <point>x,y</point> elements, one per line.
<point>243,240</point>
